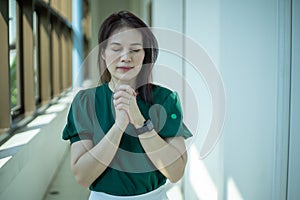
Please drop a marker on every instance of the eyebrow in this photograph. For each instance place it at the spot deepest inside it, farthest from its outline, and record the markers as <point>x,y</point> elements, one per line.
<point>132,44</point>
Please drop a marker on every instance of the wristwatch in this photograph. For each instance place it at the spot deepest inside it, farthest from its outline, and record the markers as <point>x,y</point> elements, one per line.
<point>148,126</point>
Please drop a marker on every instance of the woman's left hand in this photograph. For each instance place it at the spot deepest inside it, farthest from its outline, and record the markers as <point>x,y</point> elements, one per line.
<point>125,99</point>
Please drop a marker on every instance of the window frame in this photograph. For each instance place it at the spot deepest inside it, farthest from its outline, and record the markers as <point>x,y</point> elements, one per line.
<point>31,71</point>
<point>37,63</point>
<point>18,110</point>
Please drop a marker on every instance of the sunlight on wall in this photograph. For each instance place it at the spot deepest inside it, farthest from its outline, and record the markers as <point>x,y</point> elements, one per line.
<point>233,191</point>
<point>174,192</point>
<point>200,179</point>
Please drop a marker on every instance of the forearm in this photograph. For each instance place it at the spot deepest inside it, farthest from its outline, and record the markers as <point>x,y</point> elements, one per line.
<point>169,158</point>
<point>91,164</point>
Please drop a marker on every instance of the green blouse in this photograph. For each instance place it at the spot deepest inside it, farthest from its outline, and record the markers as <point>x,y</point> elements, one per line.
<point>131,172</point>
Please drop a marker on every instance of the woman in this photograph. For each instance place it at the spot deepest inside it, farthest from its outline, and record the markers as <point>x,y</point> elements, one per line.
<point>127,135</point>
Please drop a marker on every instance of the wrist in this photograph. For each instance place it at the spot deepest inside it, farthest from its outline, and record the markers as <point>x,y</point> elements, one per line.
<point>147,127</point>
<point>121,126</point>
<point>139,122</point>
<point>147,135</point>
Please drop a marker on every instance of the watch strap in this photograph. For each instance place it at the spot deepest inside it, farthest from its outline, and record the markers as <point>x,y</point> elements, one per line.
<point>148,126</point>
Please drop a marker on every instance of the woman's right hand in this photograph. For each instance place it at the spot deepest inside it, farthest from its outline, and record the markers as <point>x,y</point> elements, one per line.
<point>122,119</point>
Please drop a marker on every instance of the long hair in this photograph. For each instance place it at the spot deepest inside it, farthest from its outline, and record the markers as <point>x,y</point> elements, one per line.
<point>126,19</point>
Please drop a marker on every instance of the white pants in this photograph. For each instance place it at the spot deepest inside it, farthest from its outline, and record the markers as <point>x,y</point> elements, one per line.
<point>158,194</point>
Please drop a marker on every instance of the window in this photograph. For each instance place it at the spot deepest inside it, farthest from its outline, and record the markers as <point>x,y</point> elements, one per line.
<point>30,32</point>
<point>14,59</point>
<point>36,63</point>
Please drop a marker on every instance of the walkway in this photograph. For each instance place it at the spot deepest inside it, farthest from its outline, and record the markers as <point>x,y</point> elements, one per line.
<point>64,186</point>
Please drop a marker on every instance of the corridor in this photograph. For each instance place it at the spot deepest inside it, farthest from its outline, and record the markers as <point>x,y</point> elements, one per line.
<point>233,68</point>
<point>65,187</point>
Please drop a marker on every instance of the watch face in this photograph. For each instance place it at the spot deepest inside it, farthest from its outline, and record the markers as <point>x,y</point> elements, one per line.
<point>148,126</point>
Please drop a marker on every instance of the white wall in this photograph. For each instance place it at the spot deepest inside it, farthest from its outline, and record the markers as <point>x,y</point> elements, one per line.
<point>294,162</point>
<point>248,42</point>
<point>249,66</point>
<point>203,177</point>
<point>167,16</point>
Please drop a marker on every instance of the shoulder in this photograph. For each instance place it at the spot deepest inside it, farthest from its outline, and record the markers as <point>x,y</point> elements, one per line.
<point>161,93</point>
<point>85,94</point>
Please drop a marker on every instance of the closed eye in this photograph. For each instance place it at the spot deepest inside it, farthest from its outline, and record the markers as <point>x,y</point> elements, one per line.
<point>135,50</point>
<point>116,50</point>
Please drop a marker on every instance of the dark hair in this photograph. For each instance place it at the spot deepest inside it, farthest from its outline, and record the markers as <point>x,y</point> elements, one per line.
<point>126,19</point>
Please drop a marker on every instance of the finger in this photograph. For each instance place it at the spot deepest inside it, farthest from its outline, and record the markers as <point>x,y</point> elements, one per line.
<point>120,94</point>
<point>122,106</point>
<point>121,100</point>
<point>127,89</point>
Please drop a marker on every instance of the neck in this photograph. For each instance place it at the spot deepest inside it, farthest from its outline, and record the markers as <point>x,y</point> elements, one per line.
<point>113,84</point>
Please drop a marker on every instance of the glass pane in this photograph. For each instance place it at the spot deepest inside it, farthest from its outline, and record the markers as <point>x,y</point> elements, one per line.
<point>13,55</point>
<point>36,57</point>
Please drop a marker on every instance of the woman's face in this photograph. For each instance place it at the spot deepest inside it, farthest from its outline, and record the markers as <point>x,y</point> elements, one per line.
<point>124,54</point>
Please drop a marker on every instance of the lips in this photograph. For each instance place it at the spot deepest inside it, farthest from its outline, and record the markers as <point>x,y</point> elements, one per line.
<point>125,68</point>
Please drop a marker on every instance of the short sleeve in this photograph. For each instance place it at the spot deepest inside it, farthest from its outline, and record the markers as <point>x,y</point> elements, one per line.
<point>80,118</point>
<point>167,117</point>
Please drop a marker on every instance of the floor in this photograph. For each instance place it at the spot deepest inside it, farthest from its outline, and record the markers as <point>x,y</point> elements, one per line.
<point>64,187</point>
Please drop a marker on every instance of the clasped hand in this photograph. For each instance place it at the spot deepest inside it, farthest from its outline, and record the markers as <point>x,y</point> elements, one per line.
<point>126,108</point>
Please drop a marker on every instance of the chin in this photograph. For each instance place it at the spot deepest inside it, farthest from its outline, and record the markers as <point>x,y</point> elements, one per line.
<point>125,79</point>
<point>128,76</point>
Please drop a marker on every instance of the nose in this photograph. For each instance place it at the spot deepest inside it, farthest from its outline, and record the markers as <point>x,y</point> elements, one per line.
<point>126,57</point>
